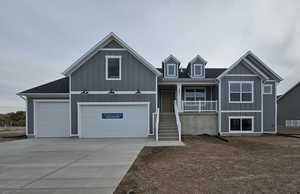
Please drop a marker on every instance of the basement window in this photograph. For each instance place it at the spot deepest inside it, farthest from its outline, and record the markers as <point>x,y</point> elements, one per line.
<point>241,124</point>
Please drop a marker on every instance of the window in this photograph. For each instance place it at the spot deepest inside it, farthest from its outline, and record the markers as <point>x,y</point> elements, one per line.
<point>292,123</point>
<point>194,94</point>
<point>171,70</point>
<point>198,70</point>
<point>268,89</point>
<point>113,67</point>
<point>241,92</point>
<point>240,124</point>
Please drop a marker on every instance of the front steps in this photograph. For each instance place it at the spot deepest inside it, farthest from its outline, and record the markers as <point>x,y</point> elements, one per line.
<point>167,130</point>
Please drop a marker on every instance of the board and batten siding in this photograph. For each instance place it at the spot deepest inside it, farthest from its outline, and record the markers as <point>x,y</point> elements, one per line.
<point>134,75</point>
<point>241,109</point>
<point>269,101</point>
<point>30,109</point>
<point>91,77</point>
<point>75,98</point>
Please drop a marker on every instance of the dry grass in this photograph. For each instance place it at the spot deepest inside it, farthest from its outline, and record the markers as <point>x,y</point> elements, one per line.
<point>266,164</point>
<point>11,135</point>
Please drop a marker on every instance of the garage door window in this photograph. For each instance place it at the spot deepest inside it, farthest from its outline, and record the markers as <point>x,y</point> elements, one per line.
<point>113,67</point>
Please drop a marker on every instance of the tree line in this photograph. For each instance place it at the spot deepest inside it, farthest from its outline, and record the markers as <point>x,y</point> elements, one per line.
<point>13,119</point>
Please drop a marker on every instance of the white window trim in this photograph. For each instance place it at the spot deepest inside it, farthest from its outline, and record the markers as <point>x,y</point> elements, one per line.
<point>241,117</point>
<point>194,88</point>
<point>241,82</point>
<point>167,70</point>
<point>194,70</point>
<point>106,66</point>
<point>271,90</point>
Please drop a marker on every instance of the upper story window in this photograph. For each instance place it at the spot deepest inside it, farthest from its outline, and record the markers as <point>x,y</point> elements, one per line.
<point>197,70</point>
<point>171,70</point>
<point>268,89</point>
<point>113,67</point>
<point>241,92</point>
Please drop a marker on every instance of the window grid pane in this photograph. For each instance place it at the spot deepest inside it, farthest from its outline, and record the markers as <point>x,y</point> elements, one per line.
<point>113,68</point>
<point>235,124</point>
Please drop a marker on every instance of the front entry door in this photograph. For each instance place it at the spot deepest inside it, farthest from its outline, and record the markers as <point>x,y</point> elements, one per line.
<point>166,101</point>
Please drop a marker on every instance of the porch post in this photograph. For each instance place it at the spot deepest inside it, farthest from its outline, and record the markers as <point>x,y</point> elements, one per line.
<point>179,91</point>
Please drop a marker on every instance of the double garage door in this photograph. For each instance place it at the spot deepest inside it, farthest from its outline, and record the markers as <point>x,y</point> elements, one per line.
<point>95,120</point>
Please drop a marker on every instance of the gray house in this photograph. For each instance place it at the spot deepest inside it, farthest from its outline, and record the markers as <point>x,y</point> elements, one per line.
<point>112,91</point>
<point>289,108</point>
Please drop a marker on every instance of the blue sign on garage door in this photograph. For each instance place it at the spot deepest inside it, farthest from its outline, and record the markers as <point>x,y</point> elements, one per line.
<point>112,115</point>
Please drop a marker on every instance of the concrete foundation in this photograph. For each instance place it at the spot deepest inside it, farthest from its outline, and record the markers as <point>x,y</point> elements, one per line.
<point>199,123</point>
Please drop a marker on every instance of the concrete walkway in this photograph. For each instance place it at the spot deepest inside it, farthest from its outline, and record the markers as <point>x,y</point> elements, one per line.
<point>67,165</point>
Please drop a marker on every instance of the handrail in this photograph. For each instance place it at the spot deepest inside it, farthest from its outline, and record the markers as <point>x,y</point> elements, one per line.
<point>199,106</point>
<point>177,120</point>
<point>157,124</point>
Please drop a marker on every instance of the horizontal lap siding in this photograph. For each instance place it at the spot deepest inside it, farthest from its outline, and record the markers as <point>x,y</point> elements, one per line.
<point>110,98</point>
<point>256,105</point>
<point>225,120</point>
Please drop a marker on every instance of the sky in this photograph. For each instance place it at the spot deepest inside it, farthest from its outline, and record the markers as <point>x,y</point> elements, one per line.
<point>40,39</point>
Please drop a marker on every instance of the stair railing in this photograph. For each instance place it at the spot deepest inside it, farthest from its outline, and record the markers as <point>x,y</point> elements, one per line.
<point>178,123</point>
<point>157,124</point>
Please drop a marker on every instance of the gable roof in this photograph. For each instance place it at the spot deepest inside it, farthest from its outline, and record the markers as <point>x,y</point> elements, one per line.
<point>289,90</point>
<point>252,66</point>
<point>198,57</point>
<point>171,57</point>
<point>111,36</point>
<point>60,86</point>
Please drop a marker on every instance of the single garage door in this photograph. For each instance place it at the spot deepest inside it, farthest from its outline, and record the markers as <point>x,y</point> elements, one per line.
<point>51,118</point>
<point>113,120</point>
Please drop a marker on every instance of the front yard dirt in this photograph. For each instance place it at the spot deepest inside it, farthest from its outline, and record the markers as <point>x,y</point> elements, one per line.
<point>263,164</point>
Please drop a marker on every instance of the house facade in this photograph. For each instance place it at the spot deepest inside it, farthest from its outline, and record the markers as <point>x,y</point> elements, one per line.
<point>289,108</point>
<point>112,91</point>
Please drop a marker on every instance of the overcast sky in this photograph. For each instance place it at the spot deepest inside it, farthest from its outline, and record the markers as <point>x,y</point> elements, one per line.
<point>40,39</point>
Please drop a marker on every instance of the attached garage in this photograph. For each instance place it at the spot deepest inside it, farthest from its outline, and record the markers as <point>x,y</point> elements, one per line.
<point>123,119</point>
<point>51,118</point>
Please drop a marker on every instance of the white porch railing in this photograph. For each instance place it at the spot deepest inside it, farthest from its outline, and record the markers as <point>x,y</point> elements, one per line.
<point>157,124</point>
<point>177,120</point>
<point>199,106</point>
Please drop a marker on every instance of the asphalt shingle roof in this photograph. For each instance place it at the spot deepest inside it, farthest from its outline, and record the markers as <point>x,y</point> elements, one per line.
<point>209,72</point>
<point>57,86</point>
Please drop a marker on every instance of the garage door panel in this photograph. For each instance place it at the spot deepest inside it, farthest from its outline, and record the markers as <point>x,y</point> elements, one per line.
<point>52,119</point>
<point>134,122</point>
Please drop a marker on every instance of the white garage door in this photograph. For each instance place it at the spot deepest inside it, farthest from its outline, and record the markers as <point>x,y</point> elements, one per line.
<point>113,120</point>
<point>51,118</point>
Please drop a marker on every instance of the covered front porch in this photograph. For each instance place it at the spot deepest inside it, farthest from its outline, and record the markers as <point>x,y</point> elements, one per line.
<point>189,97</point>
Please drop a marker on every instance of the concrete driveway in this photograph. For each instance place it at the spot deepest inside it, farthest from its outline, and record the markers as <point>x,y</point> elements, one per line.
<point>66,165</point>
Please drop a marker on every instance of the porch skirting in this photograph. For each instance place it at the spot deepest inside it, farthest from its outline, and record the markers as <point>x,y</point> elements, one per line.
<point>199,123</point>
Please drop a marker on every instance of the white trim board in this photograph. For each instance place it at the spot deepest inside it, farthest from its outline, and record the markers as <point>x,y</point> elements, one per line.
<point>241,92</point>
<point>240,111</point>
<point>79,130</point>
<point>91,52</point>
<point>107,57</point>
<point>241,117</point>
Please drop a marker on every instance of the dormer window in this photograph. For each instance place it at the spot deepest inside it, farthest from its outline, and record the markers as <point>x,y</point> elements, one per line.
<point>171,70</point>
<point>198,70</point>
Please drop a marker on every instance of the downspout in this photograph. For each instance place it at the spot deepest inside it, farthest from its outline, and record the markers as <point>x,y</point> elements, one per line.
<point>219,106</point>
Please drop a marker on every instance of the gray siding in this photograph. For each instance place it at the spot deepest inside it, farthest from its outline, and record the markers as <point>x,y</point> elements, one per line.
<point>113,44</point>
<point>30,109</point>
<point>256,105</point>
<point>75,98</point>
<point>91,75</point>
<point>269,101</point>
<point>241,69</point>
<point>225,120</point>
<point>288,107</point>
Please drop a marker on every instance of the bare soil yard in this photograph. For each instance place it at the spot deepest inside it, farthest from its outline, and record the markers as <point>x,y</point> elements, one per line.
<point>263,164</point>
